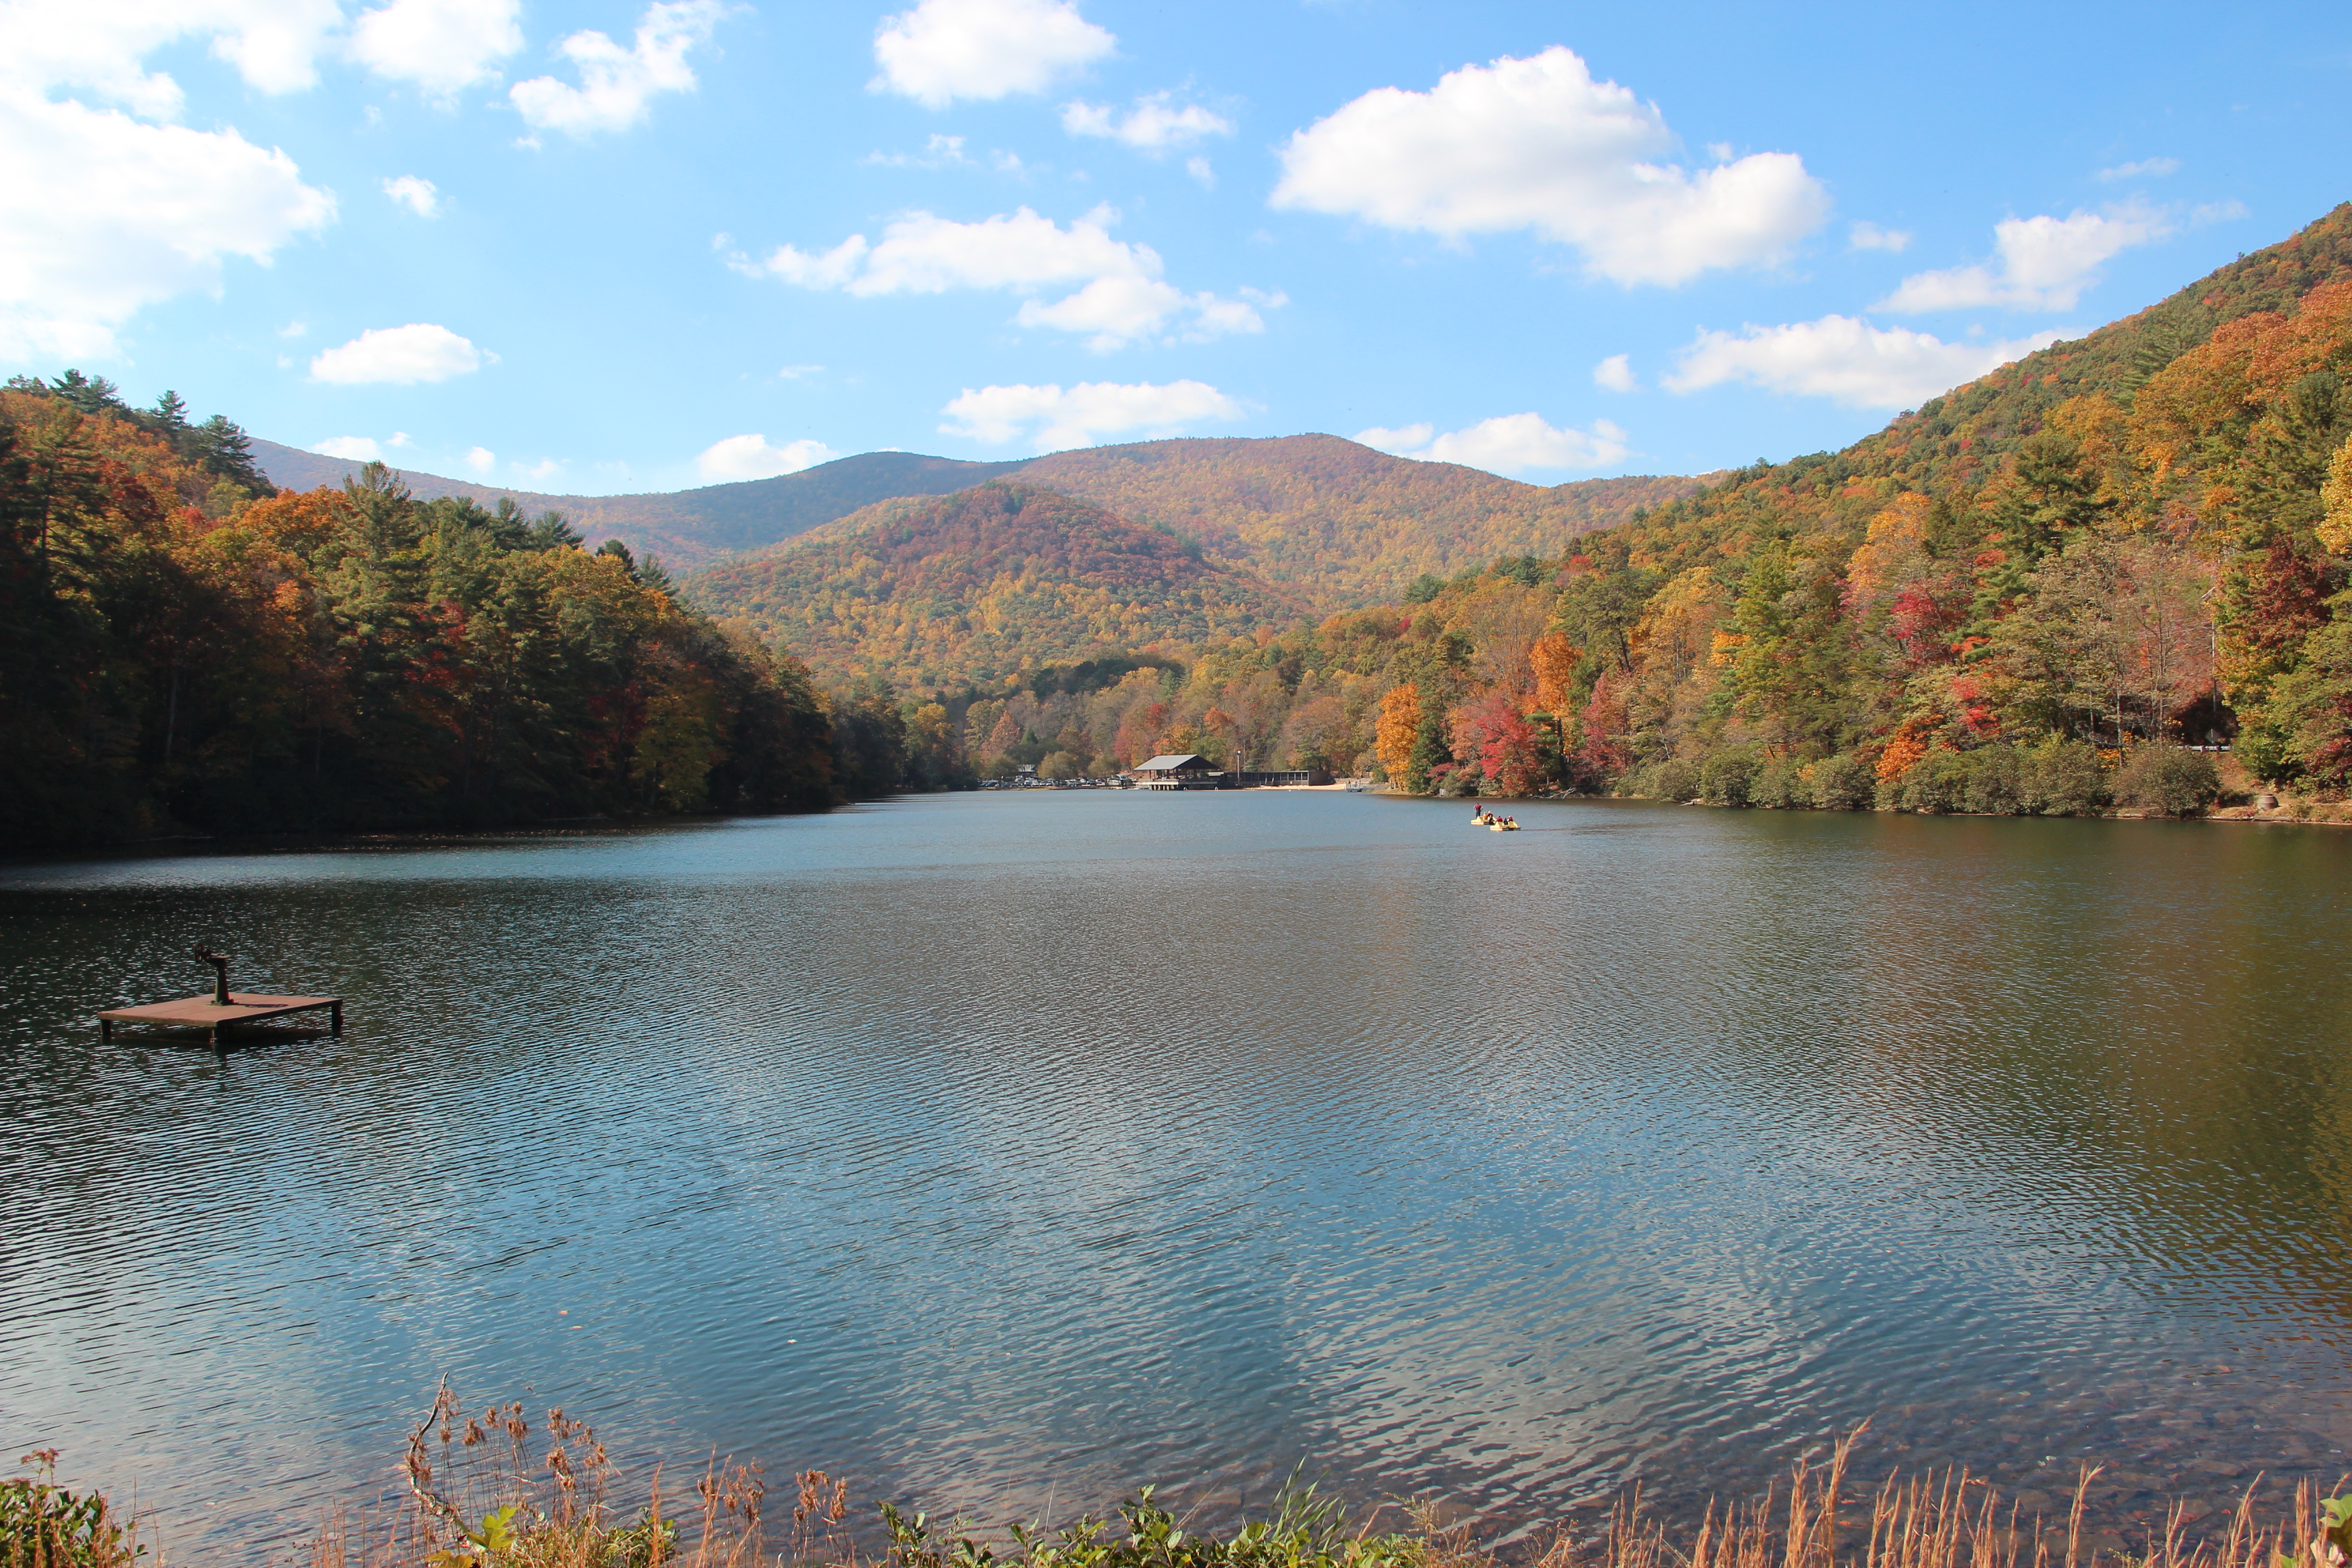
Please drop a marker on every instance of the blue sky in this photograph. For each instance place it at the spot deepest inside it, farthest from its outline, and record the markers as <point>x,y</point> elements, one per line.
<point>608,246</point>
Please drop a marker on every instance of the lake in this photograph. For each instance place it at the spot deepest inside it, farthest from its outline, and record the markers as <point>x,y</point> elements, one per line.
<point>1004,1152</point>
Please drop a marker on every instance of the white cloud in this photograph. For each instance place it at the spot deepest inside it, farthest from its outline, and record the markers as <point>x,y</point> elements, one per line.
<point>400,356</point>
<point>294,330</point>
<point>1402,439</point>
<point>545,468</point>
<point>1122,296</point>
<point>1538,144</point>
<point>750,457</point>
<point>1508,444</point>
<point>2045,262</point>
<point>1868,235</point>
<point>1053,419</point>
<point>1156,124</point>
<point>481,459</point>
<point>1844,358</point>
<point>2146,168</point>
<point>946,50</point>
<point>49,44</point>
<point>355,448</point>
<point>1615,373</point>
<point>400,438</point>
<point>1199,169</point>
<point>439,45</point>
<point>616,84</point>
<point>101,214</point>
<point>799,372</point>
<point>418,194</point>
<point>940,152</point>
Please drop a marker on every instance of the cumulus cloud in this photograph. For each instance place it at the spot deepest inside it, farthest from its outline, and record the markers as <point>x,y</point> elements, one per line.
<point>1156,124</point>
<point>419,195</point>
<point>1537,144</point>
<point>101,214</point>
<point>751,458</point>
<point>946,50</point>
<point>1615,373</point>
<point>616,84</point>
<point>439,45</point>
<point>1846,359</point>
<point>2146,168</point>
<point>481,459</point>
<point>1508,444</point>
<point>1053,419</point>
<point>1868,235</point>
<point>357,448</point>
<point>1122,296</point>
<point>397,356</point>
<point>47,44</point>
<point>2045,264</point>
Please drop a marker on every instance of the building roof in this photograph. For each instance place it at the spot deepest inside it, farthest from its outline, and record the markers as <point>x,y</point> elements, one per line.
<point>1171,763</point>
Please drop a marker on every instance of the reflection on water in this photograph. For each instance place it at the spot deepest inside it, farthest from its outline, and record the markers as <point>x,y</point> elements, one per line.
<point>1004,1152</point>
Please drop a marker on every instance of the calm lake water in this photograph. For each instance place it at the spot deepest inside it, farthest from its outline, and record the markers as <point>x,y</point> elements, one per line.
<point>1004,1152</point>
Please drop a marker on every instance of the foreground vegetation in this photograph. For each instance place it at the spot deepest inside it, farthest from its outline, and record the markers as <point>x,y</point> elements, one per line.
<point>482,1493</point>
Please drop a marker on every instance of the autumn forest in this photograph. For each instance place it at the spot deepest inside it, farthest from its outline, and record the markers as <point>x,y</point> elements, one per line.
<point>2059,588</point>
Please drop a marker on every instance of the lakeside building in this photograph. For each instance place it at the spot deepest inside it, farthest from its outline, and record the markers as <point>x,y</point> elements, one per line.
<point>1178,770</point>
<point>1189,769</point>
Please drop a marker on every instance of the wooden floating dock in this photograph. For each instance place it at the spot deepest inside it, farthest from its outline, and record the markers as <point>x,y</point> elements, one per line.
<point>212,1016</point>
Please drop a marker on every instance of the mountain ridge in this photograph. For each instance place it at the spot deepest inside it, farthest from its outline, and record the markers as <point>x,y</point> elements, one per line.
<point>1341,521</point>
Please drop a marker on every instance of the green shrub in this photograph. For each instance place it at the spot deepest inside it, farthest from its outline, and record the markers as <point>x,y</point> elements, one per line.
<point>2169,779</point>
<point>1058,765</point>
<point>1935,784</point>
<point>1781,787</point>
<point>1845,784</point>
<point>1729,777</point>
<point>1670,778</point>
<point>2062,778</point>
<point>1997,782</point>
<point>41,1523</point>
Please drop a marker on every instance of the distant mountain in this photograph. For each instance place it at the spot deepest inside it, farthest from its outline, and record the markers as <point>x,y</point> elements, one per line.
<point>685,527</point>
<point>975,586</point>
<point>1344,523</point>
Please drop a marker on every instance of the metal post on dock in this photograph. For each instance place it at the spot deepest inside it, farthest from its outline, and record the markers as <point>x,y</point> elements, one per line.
<point>219,961</point>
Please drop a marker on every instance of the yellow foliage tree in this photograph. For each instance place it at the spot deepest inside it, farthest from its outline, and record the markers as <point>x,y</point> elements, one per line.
<point>1553,658</point>
<point>1399,724</point>
<point>2335,495</point>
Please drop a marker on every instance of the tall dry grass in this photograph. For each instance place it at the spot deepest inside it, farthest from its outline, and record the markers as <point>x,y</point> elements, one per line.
<point>483,1493</point>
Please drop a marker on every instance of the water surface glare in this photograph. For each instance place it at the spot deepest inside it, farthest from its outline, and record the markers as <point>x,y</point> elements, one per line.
<point>1004,1152</point>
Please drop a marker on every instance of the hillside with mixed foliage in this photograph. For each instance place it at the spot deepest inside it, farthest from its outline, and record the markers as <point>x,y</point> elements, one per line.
<point>182,650</point>
<point>2033,593</point>
<point>973,587</point>
<point>1338,522</point>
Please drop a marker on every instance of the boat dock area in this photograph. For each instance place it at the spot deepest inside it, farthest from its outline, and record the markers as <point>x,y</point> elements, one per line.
<point>212,1016</point>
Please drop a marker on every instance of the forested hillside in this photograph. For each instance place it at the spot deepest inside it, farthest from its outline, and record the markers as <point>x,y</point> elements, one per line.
<point>2028,595</point>
<point>973,587</point>
<point>1341,523</point>
<point>180,650</point>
